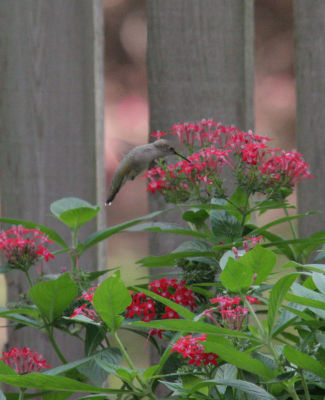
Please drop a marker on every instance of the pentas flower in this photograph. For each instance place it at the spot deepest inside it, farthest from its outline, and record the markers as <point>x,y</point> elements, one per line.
<point>147,308</point>
<point>24,361</point>
<point>232,314</point>
<point>287,167</point>
<point>251,242</point>
<point>87,309</point>
<point>256,167</point>
<point>191,347</point>
<point>24,247</point>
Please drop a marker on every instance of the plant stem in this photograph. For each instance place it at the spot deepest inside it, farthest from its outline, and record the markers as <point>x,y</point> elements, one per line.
<point>127,358</point>
<point>55,346</point>
<point>28,278</point>
<point>291,224</point>
<point>304,384</point>
<point>21,394</point>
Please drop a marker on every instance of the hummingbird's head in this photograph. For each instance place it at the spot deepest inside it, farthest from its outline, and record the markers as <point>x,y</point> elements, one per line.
<point>166,148</point>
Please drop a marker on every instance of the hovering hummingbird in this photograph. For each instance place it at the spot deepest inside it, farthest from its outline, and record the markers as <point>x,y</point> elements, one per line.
<point>136,161</point>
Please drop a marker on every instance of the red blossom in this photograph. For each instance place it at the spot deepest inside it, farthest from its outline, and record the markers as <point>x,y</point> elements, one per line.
<point>289,165</point>
<point>23,247</point>
<point>253,299</point>
<point>190,347</point>
<point>24,361</point>
<point>87,309</point>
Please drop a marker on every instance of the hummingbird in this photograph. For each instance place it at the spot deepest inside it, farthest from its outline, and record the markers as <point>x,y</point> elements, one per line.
<point>136,161</point>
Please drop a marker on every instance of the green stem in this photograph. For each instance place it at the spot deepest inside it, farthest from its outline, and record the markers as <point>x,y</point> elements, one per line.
<point>304,384</point>
<point>21,394</point>
<point>28,278</point>
<point>291,224</point>
<point>55,346</point>
<point>128,359</point>
<point>292,392</point>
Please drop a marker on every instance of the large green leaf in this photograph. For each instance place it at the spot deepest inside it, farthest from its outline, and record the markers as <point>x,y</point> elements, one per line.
<point>313,300</point>
<point>255,392</point>
<point>97,237</point>
<point>237,277</point>
<point>239,358</point>
<point>168,260</point>
<point>52,235</point>
<point>225,227</point>
<point>53,297</point>
<point>304,361</point>
<point>278,293</point>
<point>181,325</point>
<point>166,228</point>
<point>261,261</point>
<point>73,212</point>
<point>36,380</point>
<point>110,300</point>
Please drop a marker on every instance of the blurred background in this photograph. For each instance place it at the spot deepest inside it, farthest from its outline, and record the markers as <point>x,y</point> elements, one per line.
<point>127,111</point>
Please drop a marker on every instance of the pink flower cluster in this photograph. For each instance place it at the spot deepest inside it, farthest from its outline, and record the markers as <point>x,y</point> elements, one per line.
<point>24,361</point>
<point>23,247</point>
<point>192,348</point>
<point>257,168</point>
<point>231,313</point>
<point>87,309</point>
<point>147,308</point>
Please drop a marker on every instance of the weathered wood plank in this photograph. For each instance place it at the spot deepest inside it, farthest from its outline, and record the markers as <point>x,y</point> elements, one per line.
<point>309,22</point>
<point>51,122</point>
<point>200,65</point>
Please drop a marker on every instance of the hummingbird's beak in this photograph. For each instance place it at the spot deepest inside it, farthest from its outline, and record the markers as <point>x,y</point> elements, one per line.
<point>180,155</point>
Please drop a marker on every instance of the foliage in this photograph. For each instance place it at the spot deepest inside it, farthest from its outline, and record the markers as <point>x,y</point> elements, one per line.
<point>234,324</point>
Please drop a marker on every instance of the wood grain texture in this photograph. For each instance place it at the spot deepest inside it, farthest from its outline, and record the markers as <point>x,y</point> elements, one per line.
<point>200,65</point>
<point>310,77</point>
<point>51,123</point>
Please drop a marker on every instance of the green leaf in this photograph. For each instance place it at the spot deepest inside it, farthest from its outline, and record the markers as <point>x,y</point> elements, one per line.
<point>225,227</point>
<point>97,237</point>
<point>237,277</point>
<point>253,390</point>
<point>37,380</point>
<point>168,260</point>
<point>240,199</point>
<point>225,372</point>
<point>92,368</point>
<point>53,297</point>
<point>319,280</point>
<point>313,300</point>
<point>281,221</point>
<point>5,369</point>
<point>196,217</point>
<point>110,300</point>
<point>166,228</point>
<point>304,361</point>
<point>181,325</point>
<point>184,312</point>
<point>73,212</point>
<point>277,295</point>
<point>261,261</point>
<point>52,235</point>
<point>239,358</point>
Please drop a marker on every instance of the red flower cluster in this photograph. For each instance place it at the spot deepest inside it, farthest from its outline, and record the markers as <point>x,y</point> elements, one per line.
<point>230,310</point>
<point>288,166</point>
<point>85,308</point>
<point>24,361</point>
<point>148,309</point>
<point>191,348</point>
<point>257,169</point>
<point>23,247</point>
